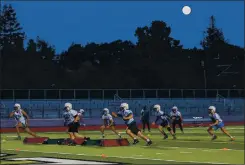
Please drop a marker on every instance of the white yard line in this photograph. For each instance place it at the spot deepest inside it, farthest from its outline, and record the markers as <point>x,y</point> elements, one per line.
<point>123,157</point>
<point>206,149</point>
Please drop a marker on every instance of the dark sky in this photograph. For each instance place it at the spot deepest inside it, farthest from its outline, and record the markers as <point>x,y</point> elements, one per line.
<point>61,23</point>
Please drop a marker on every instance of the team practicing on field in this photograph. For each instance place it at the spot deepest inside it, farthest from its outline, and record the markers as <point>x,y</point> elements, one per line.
<point>72,119</point>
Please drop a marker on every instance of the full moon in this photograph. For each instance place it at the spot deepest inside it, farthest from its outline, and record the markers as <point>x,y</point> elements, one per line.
<point>186,10</point>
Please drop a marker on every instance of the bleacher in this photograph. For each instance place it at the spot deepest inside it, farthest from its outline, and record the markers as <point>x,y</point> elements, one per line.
<point>188,107</point>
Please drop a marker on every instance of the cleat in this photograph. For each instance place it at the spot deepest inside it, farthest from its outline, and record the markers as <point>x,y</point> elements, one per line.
<point>165,137</point>
<point>174,138</point>
<point>120,137</point>
<point>18,138</point>
<point>149,130</point>
<point>136,141</point>
<point>232,139</point>
<point>214,137</point>
<point>149,143</point>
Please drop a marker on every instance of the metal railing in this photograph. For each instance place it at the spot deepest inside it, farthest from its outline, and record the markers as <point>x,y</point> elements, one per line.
<point>16,94</point>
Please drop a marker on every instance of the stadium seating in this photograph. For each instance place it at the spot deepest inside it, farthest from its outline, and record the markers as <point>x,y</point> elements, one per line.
<point>188,107</point>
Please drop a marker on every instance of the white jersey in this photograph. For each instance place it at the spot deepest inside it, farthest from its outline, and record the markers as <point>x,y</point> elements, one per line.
<point>107,117</point>
<point>126,113</point>
<point>19,117</point>
<point>215,117</point>
<point>175,115</point>
<point>69,116</point>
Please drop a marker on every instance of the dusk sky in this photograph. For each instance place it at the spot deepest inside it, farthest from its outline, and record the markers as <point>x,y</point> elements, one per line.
<point>61,23</point>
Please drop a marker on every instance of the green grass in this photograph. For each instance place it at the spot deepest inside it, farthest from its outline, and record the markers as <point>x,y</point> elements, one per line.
<point>192,147</point>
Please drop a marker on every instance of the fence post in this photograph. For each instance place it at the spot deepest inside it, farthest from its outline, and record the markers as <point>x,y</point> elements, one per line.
<point>74,94</point>
<point>169,93</point>
<point>29,94</point>
<point>103,94</point>
<point>13,94</point>
<point>130,93</point>
<point>88,91</point>
<point>156,93</point>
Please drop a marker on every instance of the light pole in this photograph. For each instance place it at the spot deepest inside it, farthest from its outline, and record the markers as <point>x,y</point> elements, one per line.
<point>204,74</point>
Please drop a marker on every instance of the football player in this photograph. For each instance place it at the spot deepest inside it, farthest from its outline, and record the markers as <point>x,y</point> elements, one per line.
<point>164,121</point>
<point>72,119</point>
<point>132,130</point>
<point>22,120</point>
<point>108,122</point>
<point>217,123</point>
<point>176,118</point>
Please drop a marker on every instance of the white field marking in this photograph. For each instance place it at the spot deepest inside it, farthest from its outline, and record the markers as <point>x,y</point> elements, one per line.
<point>122,157</point>
<point>137,155</point>
<point>185,152</point>
<point>195,148</point>
<point>188,141</point>
<point>161,154</point>
<point>61,161</point>
<point>208,151</point>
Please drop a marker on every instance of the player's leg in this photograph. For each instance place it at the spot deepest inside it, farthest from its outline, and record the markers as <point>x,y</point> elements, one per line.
<point>102,129</point>
<point>160,128</point>
<point>30,132</point>
<point>128,131</point>
<point>135,130</point>
<point>210,131</point>
<point>18,125</point>
<point>181,126</point>
<point>77,135</point>
<point>115,131</point>
<point>148,125</point>
<point>143,125</point>
<point>227,133</point>
<point>75,130</point>
<point>171,131</point>
<point>174,126</point>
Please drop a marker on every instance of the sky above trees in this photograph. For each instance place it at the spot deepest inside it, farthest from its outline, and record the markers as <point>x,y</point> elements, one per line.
<point>61,23</point>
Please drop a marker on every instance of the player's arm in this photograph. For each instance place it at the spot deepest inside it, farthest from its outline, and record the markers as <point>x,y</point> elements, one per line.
<point>26,116</point>
<point>215,123</point>
<point>114,114</point>
<point>104,122</point>
<point>110,122</point>
<point>141,114</point>
<point>11,114</point>
<point>130,116</point>
<point>76,118</point>
<point>157,118</point>
<point>181,118</point>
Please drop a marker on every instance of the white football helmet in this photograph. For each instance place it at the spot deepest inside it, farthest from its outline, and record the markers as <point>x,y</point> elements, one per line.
<point>212,109</point>
<point>81,111</point>
<point>68,106</point>
<point>124,106</point>
<point>17,106</point>
<point>106,111</point>
<point>175,108</point>
<point>157,107</point>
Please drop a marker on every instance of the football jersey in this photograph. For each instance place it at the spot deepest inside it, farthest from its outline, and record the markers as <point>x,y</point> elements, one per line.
<point>107,118</point>
<point>161,116</point>
<point>69,116</point>
<point>126,113</point>
<point>175,115</point>
<point>19,117</point>
<point>215,117</point>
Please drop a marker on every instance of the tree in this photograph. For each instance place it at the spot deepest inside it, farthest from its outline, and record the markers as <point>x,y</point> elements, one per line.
<point>155,40</point>
<point>11,34</point>
<point>212,35</point>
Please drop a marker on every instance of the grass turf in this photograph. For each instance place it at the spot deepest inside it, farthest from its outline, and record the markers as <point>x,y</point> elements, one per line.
<point>192,147</point>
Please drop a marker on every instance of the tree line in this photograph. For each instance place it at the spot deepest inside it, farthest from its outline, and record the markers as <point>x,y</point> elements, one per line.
<point>156,61</point>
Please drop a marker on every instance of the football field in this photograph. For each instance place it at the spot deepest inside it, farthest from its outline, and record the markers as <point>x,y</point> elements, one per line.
<point>192,147</point>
